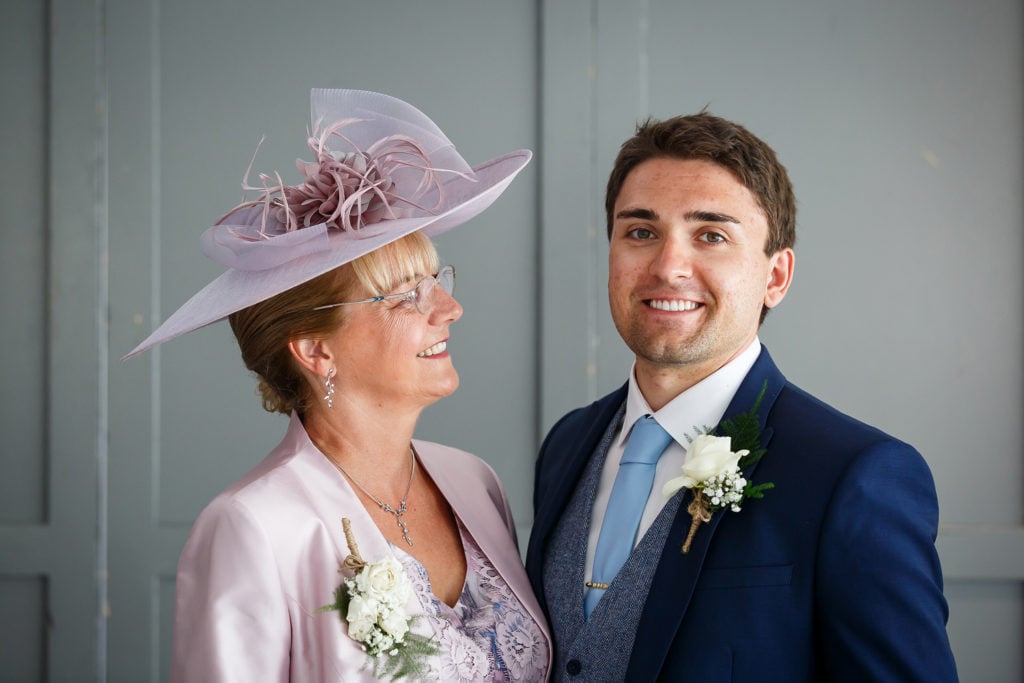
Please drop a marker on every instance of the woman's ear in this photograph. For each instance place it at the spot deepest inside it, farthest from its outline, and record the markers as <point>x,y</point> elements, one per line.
<point>313,355</point>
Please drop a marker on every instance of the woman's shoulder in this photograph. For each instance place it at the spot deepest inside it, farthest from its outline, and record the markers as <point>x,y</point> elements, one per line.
<point>250,500</point>
<point>282,483</point>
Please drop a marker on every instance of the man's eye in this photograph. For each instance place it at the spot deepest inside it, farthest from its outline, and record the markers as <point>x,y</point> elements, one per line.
<point>640,234</point>
<point>713,237</point>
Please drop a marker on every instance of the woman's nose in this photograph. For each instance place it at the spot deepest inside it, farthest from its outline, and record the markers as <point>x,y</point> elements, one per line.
<point>445,309</point>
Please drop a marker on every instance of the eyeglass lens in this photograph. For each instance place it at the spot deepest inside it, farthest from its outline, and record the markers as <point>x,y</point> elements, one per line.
<point>445,278</point>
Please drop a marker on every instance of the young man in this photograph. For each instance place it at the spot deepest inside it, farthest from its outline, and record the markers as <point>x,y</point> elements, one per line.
<point>832,574</point>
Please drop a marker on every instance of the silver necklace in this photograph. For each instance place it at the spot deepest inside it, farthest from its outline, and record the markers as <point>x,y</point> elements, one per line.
<point>384,506</point>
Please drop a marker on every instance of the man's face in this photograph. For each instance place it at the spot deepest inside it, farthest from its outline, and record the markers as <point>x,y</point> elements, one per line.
<point>687,272</point>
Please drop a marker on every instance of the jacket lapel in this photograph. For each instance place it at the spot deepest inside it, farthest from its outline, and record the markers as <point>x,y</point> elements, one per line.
<point>482,510</point>
<point>676,576</point>
<point>565,454</point>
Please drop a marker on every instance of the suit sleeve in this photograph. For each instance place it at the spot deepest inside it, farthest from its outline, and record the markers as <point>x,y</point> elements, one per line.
<point>558,433</point>
<point>881,614</point>
<point>231,618</point>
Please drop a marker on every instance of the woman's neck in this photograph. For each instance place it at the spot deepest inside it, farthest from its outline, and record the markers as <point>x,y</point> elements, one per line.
<point>370,445</point>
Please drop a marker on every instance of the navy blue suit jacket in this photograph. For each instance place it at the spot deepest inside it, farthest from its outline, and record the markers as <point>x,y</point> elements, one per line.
<point>832,576</point>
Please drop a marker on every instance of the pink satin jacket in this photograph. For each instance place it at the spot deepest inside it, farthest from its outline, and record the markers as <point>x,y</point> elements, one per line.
<point>264,555</point>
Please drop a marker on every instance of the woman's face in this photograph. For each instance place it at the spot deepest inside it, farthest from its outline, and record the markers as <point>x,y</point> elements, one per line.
<point>390,354</point>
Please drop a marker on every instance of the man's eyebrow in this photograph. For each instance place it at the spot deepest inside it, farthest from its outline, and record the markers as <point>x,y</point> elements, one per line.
<point>710,217</point>
<point>642,214</point>
<point>695,216</point>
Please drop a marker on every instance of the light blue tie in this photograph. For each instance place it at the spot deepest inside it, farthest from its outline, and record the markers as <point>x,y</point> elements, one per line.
<point>626,504</point>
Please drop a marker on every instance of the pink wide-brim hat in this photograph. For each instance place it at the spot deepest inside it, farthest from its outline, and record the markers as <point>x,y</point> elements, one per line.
<point>266,253</point>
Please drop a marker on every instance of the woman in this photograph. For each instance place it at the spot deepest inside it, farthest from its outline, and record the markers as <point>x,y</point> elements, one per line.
<point>353,551</point>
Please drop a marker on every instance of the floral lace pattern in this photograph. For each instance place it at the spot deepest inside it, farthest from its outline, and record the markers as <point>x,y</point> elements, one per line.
<point>488,635</point>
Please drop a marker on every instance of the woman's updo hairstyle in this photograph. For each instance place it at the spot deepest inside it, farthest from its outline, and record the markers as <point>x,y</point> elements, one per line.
<point>264,330</point>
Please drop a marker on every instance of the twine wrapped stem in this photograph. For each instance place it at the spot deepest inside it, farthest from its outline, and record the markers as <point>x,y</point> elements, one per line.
<point>700,513</point>
<point>354,562</point>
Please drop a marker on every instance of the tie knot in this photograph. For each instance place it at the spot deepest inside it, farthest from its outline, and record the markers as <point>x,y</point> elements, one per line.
<point>646,442</point>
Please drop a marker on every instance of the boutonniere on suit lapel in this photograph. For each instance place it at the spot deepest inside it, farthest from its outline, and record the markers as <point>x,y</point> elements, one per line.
<point>714,472</point>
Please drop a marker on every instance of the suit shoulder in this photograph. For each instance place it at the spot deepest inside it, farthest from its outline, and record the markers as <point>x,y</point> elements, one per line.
<point>795,403</point>
<point>806,427</point>
<point>581,419</point>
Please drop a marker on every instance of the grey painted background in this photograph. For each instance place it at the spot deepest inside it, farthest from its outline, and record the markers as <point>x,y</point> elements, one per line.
<point>127,129</point>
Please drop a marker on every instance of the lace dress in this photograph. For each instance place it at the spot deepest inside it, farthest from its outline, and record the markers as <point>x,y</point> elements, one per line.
<point>488,635</point>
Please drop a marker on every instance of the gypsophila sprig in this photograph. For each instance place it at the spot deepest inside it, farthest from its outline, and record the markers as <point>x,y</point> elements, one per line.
<point>725,490</point>
<point>713,470</point>
<point>372,603</point>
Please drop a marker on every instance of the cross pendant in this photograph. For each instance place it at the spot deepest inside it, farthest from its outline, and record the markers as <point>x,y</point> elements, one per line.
<point>405,529</point>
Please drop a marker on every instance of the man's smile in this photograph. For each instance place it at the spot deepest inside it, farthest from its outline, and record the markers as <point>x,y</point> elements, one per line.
<point>672,304</point>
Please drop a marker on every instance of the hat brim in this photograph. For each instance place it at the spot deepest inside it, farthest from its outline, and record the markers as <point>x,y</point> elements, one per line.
<point>238,289</point>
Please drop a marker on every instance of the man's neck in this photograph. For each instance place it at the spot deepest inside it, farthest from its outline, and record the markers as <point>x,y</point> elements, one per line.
<point>659,384</point>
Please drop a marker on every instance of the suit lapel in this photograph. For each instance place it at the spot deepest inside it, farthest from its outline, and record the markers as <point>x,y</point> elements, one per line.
<point>565,457</point>
<point>677,574</point>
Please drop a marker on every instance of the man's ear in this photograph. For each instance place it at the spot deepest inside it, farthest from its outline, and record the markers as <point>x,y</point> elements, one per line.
<point>780,276</point>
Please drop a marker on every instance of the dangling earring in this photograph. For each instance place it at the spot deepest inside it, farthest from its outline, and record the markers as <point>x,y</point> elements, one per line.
<point>329,388</point>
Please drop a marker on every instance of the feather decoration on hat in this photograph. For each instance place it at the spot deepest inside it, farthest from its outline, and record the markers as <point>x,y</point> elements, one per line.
<point>347,190</point>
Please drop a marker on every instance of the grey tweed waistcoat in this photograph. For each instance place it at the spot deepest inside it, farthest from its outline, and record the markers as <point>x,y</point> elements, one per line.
<point>597,649</point>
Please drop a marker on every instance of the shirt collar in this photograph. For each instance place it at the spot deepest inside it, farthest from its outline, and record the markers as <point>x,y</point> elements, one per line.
<point>697,409</point>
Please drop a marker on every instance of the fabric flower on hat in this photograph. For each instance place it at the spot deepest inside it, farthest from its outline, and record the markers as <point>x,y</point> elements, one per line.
<point>349,190</point>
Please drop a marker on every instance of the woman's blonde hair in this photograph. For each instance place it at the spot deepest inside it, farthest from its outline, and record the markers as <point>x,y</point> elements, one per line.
<point>264,330</point>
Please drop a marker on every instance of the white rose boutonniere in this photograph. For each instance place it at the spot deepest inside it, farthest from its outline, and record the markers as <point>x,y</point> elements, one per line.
<point>708,456</point>
<point>372,603</point>
<point>384,581</point>
<point>713,471</point>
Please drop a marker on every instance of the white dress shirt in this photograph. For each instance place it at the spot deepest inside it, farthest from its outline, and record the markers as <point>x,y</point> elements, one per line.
<point>692,412</point>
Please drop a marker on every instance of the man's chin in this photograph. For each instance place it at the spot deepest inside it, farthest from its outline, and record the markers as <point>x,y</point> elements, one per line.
<point>668,356</point>
<point>664,348</point>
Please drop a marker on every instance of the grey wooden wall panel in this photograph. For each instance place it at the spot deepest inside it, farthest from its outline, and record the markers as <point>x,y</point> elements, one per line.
<point>134,388</point>
<point>52,377</point>
<point>984,650</point>
<point>76,371</point>
<point>24,79</point>
<point>569,244</point>
<point>165,627</point>
<point>23,628</point>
